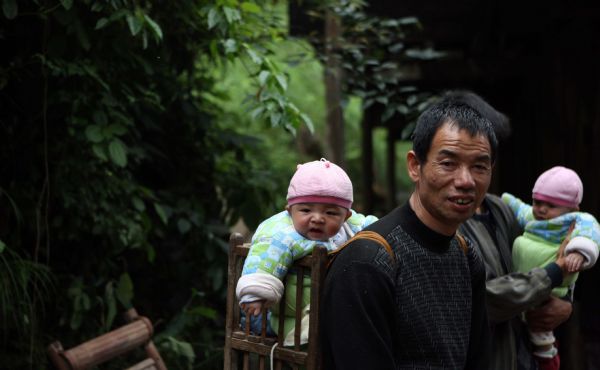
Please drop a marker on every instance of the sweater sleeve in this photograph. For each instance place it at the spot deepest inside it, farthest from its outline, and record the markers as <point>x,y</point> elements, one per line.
<point>520,209</point>
<point>511,294</point>
<point>357,311</point>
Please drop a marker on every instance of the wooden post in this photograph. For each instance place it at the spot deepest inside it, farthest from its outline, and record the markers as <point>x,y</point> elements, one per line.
<point>333,91</point>
<point>230,358</point>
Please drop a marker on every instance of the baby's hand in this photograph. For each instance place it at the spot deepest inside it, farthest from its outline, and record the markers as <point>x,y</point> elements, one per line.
<point>253,308</point>
<point>574,261</point>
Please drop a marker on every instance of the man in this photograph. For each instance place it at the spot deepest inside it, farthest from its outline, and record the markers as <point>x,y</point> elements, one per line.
<point>493,229</point>
<point>425,308</point>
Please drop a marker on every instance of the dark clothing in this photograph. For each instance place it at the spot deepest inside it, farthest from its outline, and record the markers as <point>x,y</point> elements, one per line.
<point>507,294</point>
<point>426,310</point>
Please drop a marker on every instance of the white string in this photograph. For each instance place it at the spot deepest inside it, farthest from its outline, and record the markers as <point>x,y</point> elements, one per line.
<point>272,351</point>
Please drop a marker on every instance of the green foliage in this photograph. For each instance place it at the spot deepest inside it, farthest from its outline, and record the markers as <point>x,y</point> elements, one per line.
<point>119,184</point>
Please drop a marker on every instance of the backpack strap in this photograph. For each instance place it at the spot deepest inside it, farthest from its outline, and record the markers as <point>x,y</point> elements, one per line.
<point>365,234</point>
<point>462,243</point>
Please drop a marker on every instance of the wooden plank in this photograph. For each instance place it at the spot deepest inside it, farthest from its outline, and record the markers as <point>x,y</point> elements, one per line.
<point>230,359</point>
<point>288,355</point>
<point>318,270</point>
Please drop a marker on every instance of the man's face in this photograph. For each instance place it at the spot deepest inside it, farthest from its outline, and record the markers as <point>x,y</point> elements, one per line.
<point>318,221</point>
<point>454,179</point>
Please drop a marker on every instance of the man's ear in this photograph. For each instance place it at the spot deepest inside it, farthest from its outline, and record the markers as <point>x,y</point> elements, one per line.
<point>413,165</point>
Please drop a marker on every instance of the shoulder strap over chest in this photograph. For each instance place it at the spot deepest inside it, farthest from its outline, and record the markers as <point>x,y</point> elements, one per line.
<point>462,243</point>
<point>365,234</point>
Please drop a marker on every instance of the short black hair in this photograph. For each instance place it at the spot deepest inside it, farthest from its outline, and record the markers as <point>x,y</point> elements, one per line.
<point>451,108</point>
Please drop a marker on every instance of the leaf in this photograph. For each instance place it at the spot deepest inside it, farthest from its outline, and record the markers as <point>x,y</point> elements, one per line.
<point>2,246</point>
<point>282,81</point>
<point>160,210</point>
<point>231,14</point>
<point>100,151</point>
<point>253,55</point>
<point>111,305</point>
<point>124,291</point>
<point>213,18</point>
<point>118,152</point>
<point>101,23</point>
<point>138,204</point>
<point>181,348</point>
<point>183,225</point>
<point>263,76</point>
<point>67,4</point>
<point>100,117</point>
<point>135,24</point>
<point>308,122</point>
<point>10,8</point>
<point>115,129</point>
<point>249,7</point>
<point>94,134</point>
<point>154,27</point>
<point>388,113</point>
<point>230,46</point>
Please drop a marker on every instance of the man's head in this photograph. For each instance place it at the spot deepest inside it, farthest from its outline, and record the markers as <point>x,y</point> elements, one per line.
<point>454,148</point>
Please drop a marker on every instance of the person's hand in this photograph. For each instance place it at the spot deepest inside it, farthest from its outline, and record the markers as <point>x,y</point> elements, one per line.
<point>574,261</point>
<point>253,308</point>
<point>547,317</point>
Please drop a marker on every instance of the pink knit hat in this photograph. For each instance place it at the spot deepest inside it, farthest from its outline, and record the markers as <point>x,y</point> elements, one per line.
<point>559,185</point>
<point>320,182</point>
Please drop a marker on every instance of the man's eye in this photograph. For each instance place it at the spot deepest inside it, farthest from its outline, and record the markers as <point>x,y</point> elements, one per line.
<point>446,164</point>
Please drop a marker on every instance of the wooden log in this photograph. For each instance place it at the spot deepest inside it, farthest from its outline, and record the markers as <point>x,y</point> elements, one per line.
<point>109,345</point>
<point>147,364</point>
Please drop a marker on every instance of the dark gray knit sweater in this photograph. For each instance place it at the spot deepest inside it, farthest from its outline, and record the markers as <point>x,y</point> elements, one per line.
<point>425,311</point>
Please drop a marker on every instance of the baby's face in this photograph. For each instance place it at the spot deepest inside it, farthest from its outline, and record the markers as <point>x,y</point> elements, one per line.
<point>543,210</point>
<point>318,221</point>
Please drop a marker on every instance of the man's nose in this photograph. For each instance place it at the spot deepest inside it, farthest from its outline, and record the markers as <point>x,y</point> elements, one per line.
<point>464,178</point>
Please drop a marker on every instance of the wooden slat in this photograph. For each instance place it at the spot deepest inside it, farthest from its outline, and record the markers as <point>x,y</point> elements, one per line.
<point>288,355</point>
<point>147,364</point>
<point>230,359</point>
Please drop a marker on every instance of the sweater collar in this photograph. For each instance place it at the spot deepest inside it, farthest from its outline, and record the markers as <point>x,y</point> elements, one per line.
<point>421,233</point>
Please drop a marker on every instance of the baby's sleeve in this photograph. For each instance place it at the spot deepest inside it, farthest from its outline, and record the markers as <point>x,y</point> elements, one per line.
<point>585,238</point>
<point>358,221</point>
<point>522,211</point>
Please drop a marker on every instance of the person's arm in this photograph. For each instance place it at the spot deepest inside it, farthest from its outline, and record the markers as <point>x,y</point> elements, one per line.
<point>275,246</point>
<point>585,238</point>
<point>358,311</point>
<point>511,294</point>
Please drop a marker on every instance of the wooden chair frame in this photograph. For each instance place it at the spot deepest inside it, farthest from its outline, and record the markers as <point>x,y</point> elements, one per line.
<point>138,332</point>
<point>242,343</point>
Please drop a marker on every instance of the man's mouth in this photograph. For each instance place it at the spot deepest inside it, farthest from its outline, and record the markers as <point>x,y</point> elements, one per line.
<point>462,201</point>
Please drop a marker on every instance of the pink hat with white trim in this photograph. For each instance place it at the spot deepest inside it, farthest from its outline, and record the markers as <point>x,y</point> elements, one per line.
<point>320,182</point>
<point>559,185</point>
